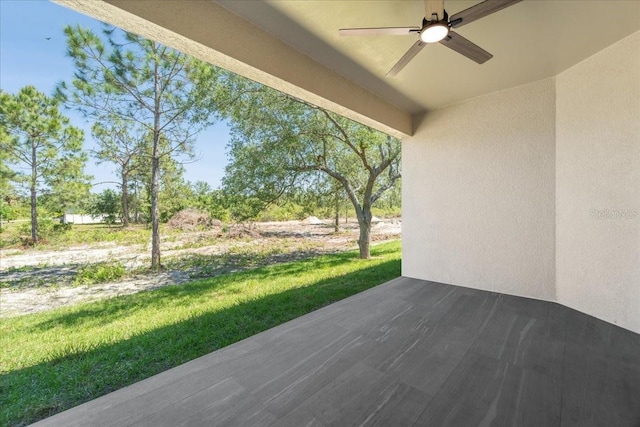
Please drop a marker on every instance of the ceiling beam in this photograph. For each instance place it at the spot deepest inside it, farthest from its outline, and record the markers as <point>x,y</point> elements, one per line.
<point>211,33</point>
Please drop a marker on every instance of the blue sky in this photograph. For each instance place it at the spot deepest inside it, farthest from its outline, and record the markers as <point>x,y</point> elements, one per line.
<point>28,58</point>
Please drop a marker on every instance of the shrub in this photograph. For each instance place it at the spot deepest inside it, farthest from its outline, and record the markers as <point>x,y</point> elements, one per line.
<point>62,227</point>
<point>100,273</point>
<point>46,228</point>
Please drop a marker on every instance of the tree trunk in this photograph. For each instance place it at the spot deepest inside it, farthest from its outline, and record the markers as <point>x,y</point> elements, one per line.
<point>34,197</point>
<point>364,242</point>
<point>336,226</point>
<point>136,198</point>
<point>125,202</point>
<point>155,177</point>
<point>34,215</point>
<point>155,211</point>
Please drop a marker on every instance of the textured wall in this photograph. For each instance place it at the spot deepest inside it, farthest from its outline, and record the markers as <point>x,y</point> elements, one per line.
<point>535,191</point>
<point>478,193</point>
<point>598,185</point>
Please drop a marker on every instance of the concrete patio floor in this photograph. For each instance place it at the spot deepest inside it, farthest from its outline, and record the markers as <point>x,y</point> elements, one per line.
<point>408,352</point>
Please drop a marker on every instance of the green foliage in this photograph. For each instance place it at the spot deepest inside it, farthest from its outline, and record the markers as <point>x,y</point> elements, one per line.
<point>120,142</point>
<point>46,228</point>
<point>9,209</point>
<point>174,193</point>
<point>244,208</point>
<point>62,227</point>
<point>108,204</point>
<point>37,138</point>
<point>159,94</point>
<point>214,202</point>
<point>100,273</point>
<point>283,212</point>
<point>281,147</point>
<point>49,229</point>
<point>55,360</point>
<point>387,212</point>
<point>8,195</point>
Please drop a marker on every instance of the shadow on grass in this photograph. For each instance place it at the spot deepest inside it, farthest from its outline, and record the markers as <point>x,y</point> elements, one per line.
<point>203,266</point>
<point>82,374</point>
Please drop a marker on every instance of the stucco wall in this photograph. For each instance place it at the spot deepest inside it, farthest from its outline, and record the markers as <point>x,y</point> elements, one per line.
<point>478,194</point>
<point>598,185</point>
<point>535,191</point>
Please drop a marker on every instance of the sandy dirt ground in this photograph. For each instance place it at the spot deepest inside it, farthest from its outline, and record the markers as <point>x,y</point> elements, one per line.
<point>37,280</point>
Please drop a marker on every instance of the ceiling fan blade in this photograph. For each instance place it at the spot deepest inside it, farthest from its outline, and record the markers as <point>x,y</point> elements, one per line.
<point>413,51</point>
<point>478,11</point>
<point>432,7</point>
<point>381,31</point>
<point>464,47</point>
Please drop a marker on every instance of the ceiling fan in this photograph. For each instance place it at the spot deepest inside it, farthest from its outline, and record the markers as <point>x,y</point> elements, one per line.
<point>437,27</point>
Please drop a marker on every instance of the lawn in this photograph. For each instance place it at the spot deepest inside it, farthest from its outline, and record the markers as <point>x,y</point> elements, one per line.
<point>58,359</point>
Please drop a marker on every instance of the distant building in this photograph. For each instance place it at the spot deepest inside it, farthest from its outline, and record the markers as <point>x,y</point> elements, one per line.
<point>69,218</point>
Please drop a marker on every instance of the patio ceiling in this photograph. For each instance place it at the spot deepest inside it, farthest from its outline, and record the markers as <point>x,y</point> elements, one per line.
<point>294,46</point>
<point>530,41</point>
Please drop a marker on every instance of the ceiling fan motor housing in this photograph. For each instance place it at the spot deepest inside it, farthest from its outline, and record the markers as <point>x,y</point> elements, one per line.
<point>436,30</point>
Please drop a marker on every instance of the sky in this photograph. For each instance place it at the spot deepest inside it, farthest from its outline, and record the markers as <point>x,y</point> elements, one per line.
<point>32,52</point>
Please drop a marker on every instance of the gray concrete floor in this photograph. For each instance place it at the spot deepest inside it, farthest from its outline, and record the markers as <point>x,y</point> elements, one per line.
<point>408,352</point>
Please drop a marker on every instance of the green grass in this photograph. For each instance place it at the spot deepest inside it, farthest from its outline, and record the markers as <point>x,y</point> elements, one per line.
<point>100,273</point>
<point>15,234</point>
<point>58,359</point>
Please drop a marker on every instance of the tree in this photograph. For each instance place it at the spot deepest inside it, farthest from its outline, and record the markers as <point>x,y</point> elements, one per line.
<point>280,143</point>
<point>164,92</point>
<point>36,137</point>
<point>119,145</point>
<point>106,204</point>
<point>7,190</point>
<point>202,196</point>
<point>206,199</point>
<point>173,191</point>
<point>325,195</point>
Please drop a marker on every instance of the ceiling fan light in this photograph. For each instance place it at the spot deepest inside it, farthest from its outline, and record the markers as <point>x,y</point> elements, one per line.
<point>434,32</point>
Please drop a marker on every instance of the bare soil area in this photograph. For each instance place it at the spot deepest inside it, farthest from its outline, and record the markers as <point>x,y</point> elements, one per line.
<point>34,281</point>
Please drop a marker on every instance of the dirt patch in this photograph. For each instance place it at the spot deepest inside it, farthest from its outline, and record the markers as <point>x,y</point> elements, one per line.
<point>35,299</point>
<point>35,281</point>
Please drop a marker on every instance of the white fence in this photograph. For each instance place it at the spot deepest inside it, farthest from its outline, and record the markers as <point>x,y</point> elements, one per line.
<point>82,219</point>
